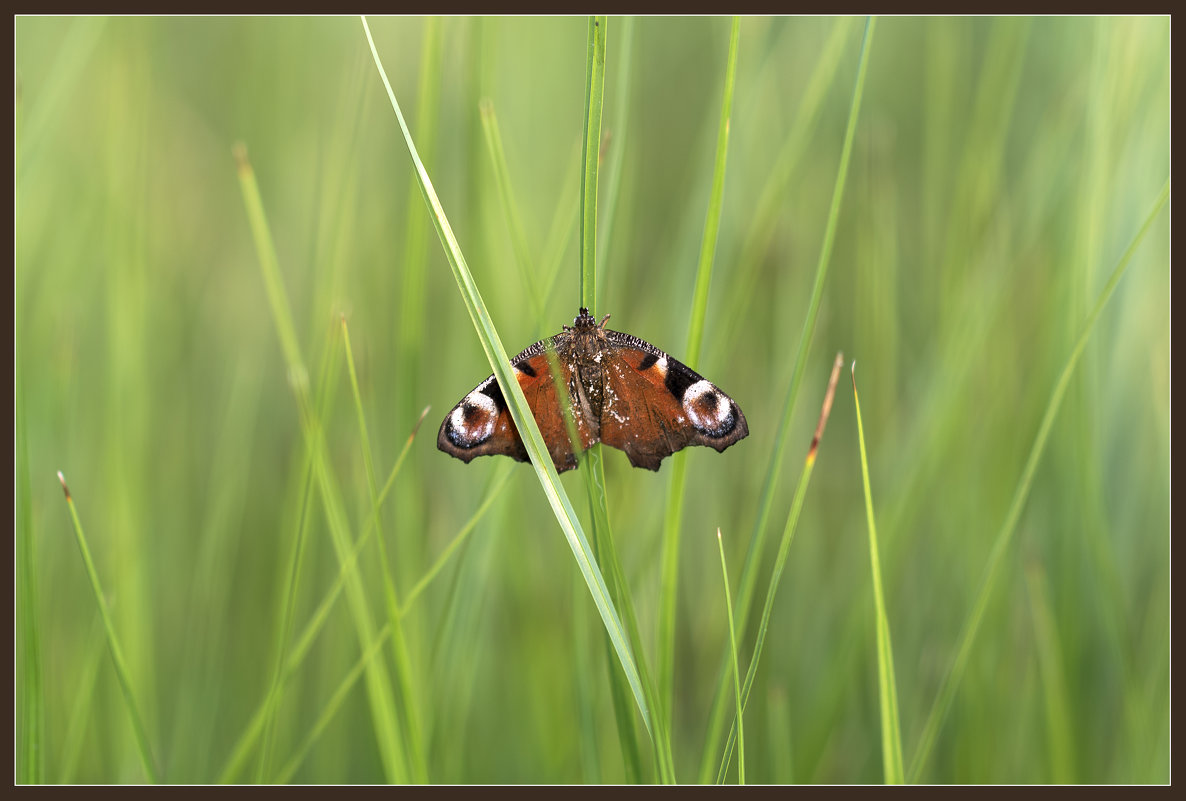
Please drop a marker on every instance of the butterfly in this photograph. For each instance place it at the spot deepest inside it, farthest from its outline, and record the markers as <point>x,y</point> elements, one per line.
<point>622,391</point>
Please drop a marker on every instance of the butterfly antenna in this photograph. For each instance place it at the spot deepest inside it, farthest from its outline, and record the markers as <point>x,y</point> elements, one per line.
<point>604,320</point>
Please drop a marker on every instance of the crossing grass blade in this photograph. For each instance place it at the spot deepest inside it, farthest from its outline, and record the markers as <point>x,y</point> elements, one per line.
<point>30,699</point>
<point>594,465</point>
<point>673,519</point>
<point>774,468</point>
<point>117,657</point>
<point>405,677</point>
<point>517,405</point>
<point>891,727</point>
<point>382,704</point>
<point>784,548</point>
<point>1005,535</point>
<point>736,668</point>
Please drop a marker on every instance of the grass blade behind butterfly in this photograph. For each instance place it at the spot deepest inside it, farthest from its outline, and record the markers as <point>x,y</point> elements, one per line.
<point>382,705</point>
<point>669,583</point>
<point>774,471</point>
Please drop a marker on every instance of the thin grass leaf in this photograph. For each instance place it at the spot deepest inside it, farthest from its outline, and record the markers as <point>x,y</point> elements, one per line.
<point>1052,670</point>
<point>288,593</point>
<point>784,548</point>
<point>518,408</point>
<point>413,301</point>
<point>620,131</point>
<point>83,707</point>
<point>781,436</point>
<point>502,178</point>
<point>736,667</point>
<point>405,678</point>
<point>382,705</point>
<point>296,656</point>
<point>30,697</point>
<point>564,222</point>
<point>332,706</point>
<point>591,142</point>
<point>594,462</point>
<point>891,727</point>
<point>766,217</point>
<point>117,656</point>
<point>673,519</point>
<point>1005,535</point>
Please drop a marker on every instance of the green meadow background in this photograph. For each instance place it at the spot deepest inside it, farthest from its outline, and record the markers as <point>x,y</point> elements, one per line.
<point>999,170</point>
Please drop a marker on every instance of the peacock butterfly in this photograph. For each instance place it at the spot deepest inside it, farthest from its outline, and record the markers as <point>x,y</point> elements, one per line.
<point>623,392</point>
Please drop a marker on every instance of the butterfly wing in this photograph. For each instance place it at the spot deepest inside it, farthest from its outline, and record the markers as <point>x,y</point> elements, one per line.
<point>481,425</point>
<point>655,405</point>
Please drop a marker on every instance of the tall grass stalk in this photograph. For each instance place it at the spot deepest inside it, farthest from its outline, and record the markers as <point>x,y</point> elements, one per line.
<point>594,466</point>
<point>320,616</point>
<point>30,697</point>
<point>117,656</point>
<point>502,179</point>
<point>673,519</point>
<point>736,667</point>
<point>413,299</point>
<point>784,548</point>
<point>774,467</point>
<point>1005,535</point>
<point>518,408</point>
<point>404,674</point>
<point>382,705</point>
<point>616,155</point>
<point>1052,671</point>
<point>891,727</point>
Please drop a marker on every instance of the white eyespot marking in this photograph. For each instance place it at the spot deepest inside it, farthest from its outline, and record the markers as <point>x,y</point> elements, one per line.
<point>472,422</point>
<point>661,366</point>
<point>708,409</point>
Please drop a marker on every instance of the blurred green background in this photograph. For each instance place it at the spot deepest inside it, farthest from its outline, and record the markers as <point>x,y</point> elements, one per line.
<point>999,170</point>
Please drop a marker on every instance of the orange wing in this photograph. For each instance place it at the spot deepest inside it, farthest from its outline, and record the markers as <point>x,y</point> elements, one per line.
<point>480,424</point>
<point>656,405</point>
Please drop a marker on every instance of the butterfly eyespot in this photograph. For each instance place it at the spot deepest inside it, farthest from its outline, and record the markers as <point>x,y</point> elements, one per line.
<point>472,422</point>
<point>705,407</point>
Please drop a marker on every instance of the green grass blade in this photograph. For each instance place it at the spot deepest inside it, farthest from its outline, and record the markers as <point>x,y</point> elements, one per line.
<point>972,624</point>
<point>1051,668</point>
<point>320,616</point>
<point>117,656</point>
<point>82,709</point>
<point>502,178</point>
<point>891,727</point>
<point>382,705</point>
<point>594,465</point>
<point>590,145</point>
<point>30,696</point>
<point>517,405</point>
<point>784,548</point>
<point>774,468</point>
<point>620,131</point>
<point>332,706</point>
<point>736,667</point>
<point>413,301</point>
<point>673,519</point>
<point>404,675</point>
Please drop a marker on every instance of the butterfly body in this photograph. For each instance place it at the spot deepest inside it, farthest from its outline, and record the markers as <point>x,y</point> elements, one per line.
<point>622,391</point>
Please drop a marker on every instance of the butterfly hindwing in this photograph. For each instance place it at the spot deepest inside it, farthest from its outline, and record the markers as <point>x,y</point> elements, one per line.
<point>656,405</point>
